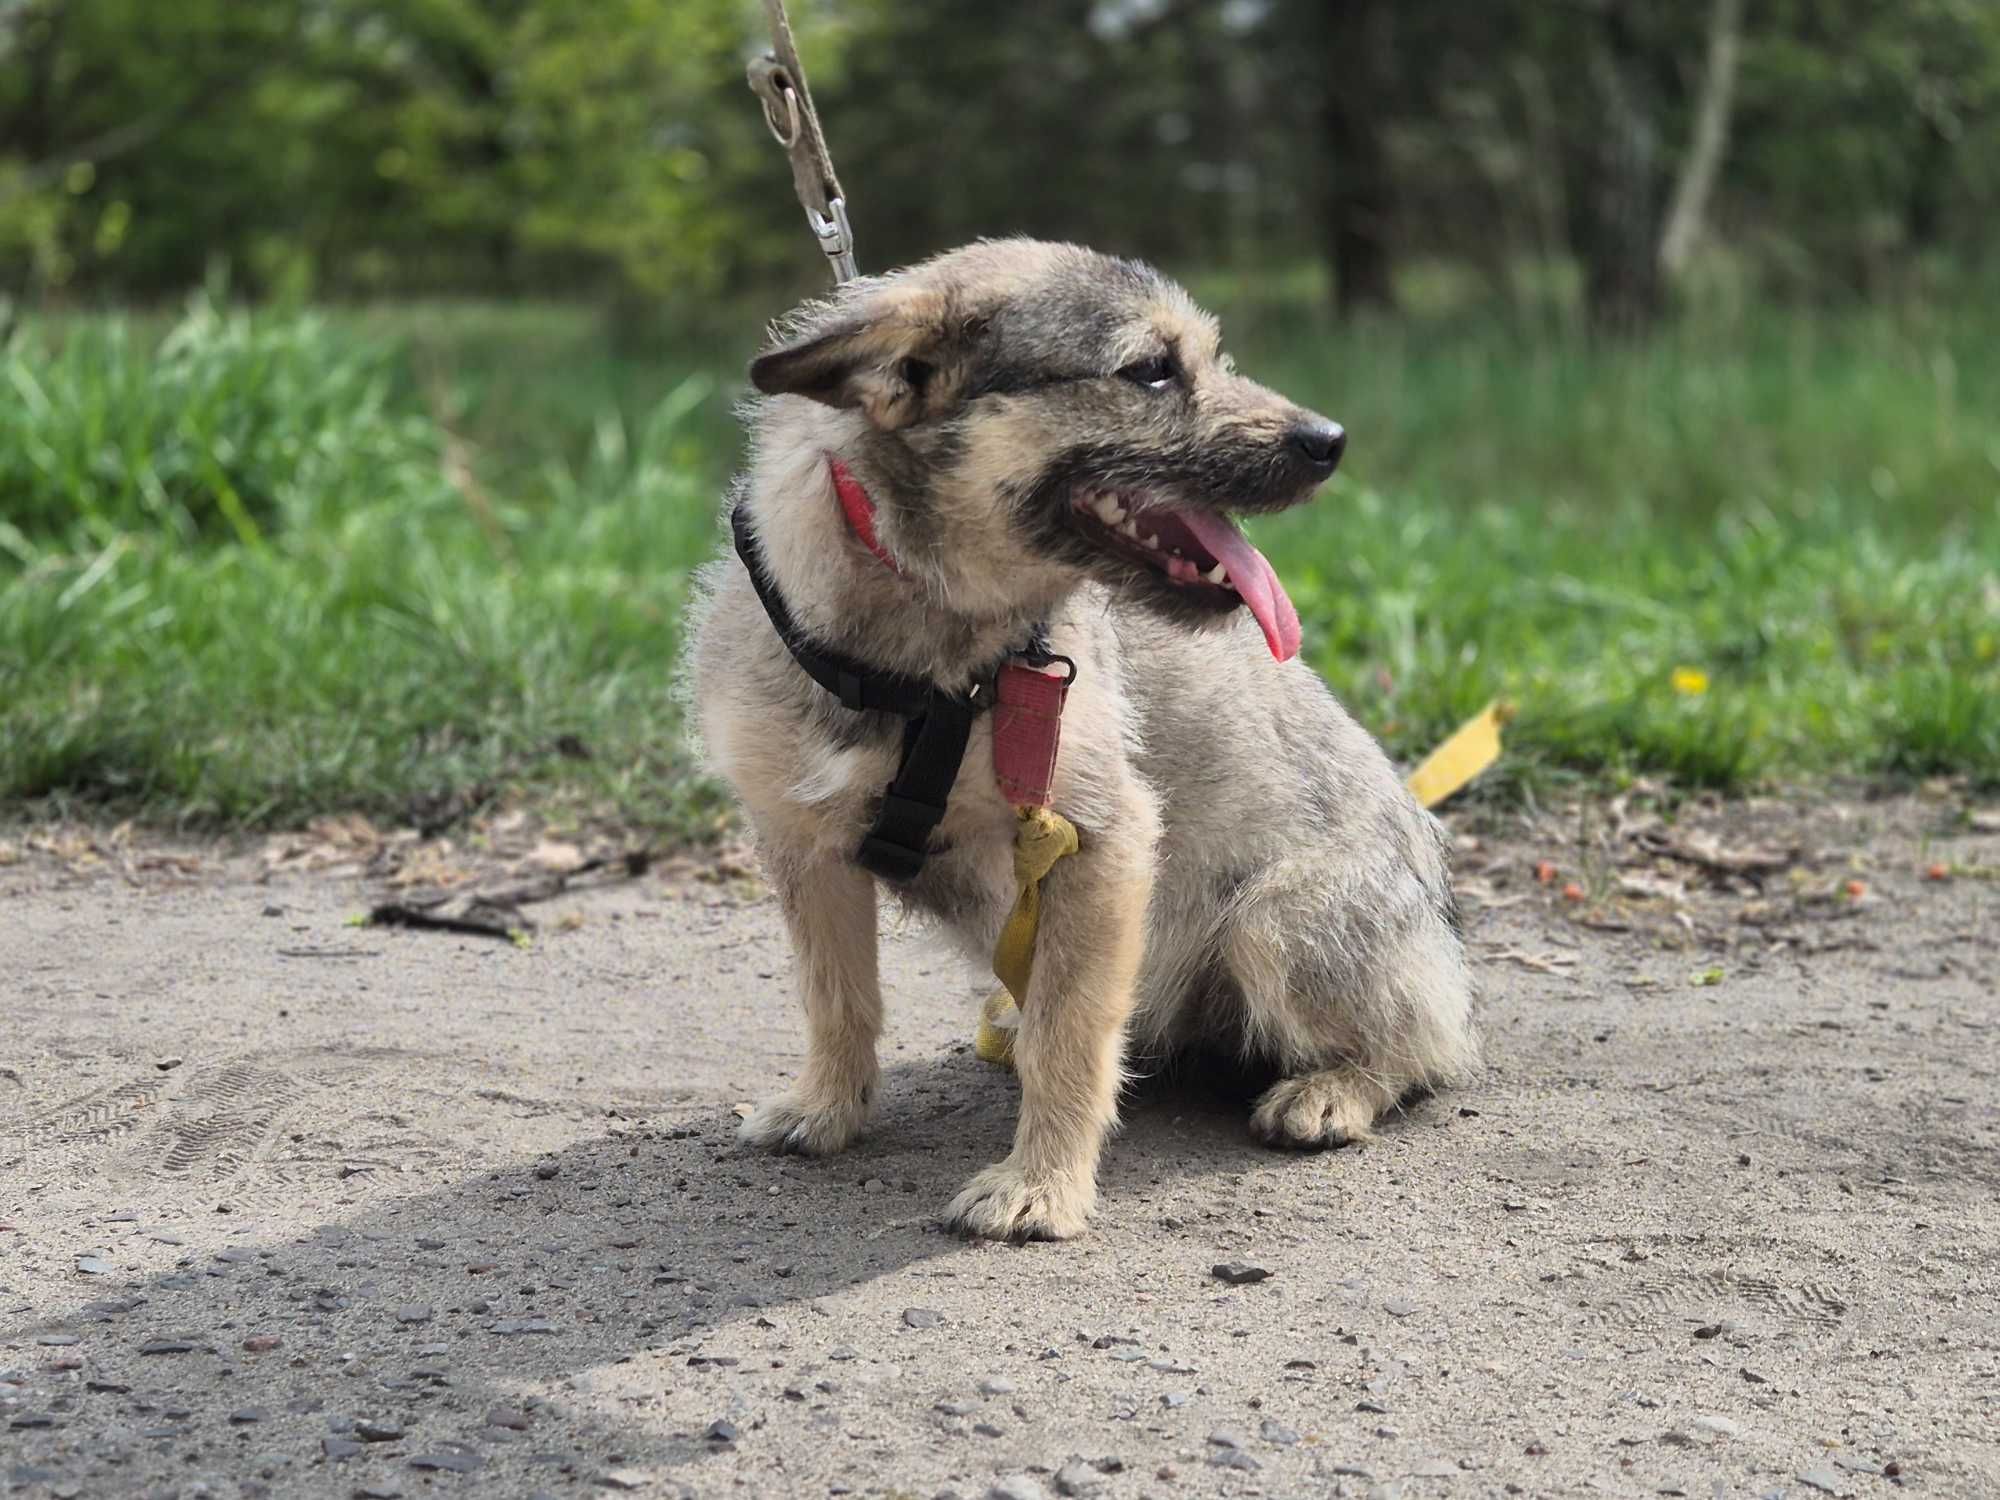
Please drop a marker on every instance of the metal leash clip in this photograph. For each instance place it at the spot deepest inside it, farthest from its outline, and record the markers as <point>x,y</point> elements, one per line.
<point>835,238</point>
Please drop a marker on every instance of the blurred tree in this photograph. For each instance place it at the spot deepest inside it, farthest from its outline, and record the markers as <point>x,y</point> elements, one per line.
<point>609,149</point>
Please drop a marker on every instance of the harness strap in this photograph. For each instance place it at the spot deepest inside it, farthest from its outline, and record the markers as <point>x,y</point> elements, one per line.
<point>858,686</point>
<point>934,738</point>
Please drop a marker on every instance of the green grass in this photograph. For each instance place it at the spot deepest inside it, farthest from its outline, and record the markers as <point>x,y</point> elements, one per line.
<point>405,560</point>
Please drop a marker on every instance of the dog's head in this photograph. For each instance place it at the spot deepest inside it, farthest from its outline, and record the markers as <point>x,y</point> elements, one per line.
<point>1083,404</point>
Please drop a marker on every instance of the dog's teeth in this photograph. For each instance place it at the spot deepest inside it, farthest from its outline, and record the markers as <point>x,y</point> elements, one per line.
<point>1118,512</point>
<point>1129,528</point>
<point>1217,574</point>
<point>1153,542</point>
<point>1105,508</point>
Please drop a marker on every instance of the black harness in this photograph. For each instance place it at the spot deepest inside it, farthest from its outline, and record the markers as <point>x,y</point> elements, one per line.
<point>936,726</point>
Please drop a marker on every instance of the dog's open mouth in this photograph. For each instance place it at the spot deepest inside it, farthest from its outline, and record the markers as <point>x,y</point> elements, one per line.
<point>1196,550</point>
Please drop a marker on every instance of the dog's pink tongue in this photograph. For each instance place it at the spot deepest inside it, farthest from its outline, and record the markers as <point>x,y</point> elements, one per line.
<point>1254,578</point>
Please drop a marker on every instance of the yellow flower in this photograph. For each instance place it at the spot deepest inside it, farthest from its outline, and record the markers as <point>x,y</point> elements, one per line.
<point>1690,682</point>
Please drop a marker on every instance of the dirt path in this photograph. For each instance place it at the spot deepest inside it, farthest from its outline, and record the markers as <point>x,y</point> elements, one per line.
<point>295,1208</point>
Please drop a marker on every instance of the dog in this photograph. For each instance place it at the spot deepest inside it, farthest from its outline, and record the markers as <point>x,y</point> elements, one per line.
<point>1047,445</point>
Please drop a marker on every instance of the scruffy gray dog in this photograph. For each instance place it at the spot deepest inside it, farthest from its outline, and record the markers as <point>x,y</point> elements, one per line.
<point>1050,442</point>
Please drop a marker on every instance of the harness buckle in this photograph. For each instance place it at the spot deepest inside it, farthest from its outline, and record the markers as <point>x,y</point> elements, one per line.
<point>897,846</point>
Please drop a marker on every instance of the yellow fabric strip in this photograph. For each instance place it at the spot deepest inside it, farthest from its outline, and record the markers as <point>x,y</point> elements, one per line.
<point>1041,838</point>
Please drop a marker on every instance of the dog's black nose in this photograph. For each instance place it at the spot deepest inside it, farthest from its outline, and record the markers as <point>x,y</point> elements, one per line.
<point>1319,442</point>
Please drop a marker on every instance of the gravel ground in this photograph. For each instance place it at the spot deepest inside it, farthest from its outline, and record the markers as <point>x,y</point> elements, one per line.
<point>293,1207</point>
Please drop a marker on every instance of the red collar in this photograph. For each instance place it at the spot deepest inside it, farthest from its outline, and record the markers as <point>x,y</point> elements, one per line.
<point>859,510</point>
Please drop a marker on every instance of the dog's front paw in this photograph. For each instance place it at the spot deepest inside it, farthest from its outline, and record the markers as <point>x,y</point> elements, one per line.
<point>806,1123</point>
<point>1004,1203</point>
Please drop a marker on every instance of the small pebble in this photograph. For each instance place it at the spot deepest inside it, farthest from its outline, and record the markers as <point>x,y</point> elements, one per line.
<point>1826,1481</point>
<point>248,1414</point>
<point>993,1385</point>
<point>1397,1307</point>
<point>623,1479</point>
<point>1276,1432</point>
<point>521,1325</point>
<point>922,1317</point>
<point>456,1462</point>
<point>413,1312</point>
<point>1017,1487</point>
<point>378,1432</point>
<point>1240,1273</point>
<point>721,1431</point>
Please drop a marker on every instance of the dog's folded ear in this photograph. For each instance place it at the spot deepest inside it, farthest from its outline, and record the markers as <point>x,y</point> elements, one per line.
<point>898,365</point>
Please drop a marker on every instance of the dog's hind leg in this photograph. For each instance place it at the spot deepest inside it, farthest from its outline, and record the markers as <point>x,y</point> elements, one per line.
<point>830,910</point>
<point>1069,1048</point>
<point>1358,993</point>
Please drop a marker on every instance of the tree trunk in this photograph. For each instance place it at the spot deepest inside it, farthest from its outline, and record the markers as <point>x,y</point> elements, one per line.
<point>1711,139</point>
<point>1930,185</point>
<point>1358,205</point>
<point>1614,201</point>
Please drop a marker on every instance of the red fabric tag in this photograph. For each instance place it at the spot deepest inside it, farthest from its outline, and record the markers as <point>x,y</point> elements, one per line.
<point>1027,727</point>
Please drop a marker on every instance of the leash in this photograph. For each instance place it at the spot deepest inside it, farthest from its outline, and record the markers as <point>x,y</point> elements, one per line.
<point>778,79</point>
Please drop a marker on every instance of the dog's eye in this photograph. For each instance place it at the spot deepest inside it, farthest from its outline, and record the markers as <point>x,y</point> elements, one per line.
<point>1155,374</point>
